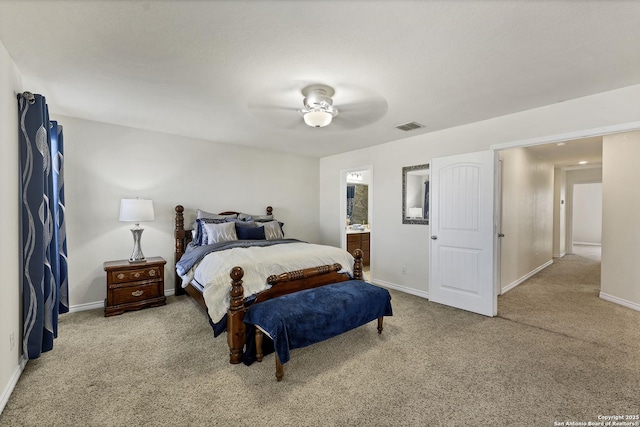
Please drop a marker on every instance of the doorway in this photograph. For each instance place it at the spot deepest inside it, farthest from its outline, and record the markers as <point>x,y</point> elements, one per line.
<point>549,196</point>
<point>356,207</point>
<point>586,218</point>
<point>539,183</point>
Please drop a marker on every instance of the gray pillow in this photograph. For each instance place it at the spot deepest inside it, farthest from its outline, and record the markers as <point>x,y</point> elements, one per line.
<point>203,214</point>
<point>217,233</point>
<point>249,217</point>
<point>272,230</point>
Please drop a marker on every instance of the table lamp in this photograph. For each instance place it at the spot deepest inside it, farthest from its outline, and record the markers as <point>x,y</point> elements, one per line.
<point>136,210</point>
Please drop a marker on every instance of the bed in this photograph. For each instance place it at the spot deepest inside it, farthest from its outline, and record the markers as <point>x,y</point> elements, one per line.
<point>337,266</point>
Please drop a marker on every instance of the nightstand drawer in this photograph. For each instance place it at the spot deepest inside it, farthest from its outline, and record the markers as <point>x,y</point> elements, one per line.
<point>136,293</point>
<point>124,276</point>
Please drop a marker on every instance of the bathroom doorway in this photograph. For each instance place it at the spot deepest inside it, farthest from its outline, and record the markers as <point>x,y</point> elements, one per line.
<point>357,212</point>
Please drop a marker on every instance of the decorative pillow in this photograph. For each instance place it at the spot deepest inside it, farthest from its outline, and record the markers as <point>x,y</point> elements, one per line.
<point>203,214</point>
<point>250,233</point>
<point>249,217</point>
<point>199,233</point>
<point>273,230</point>
<point>246,224</point>
<point>217,233</point>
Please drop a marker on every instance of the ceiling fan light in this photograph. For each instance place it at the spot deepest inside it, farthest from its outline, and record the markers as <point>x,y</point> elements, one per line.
<point>317,118</point>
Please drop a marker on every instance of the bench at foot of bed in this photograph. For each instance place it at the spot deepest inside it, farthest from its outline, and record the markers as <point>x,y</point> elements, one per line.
<point>310,316</point>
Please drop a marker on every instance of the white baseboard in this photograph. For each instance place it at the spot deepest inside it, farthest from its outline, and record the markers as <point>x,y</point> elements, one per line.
<point>100,304</point>
<point>87,306</point>
<point>559,255</point>
<point>401,288</point>
<point>525,277</point>
<point>4,397</point>
<point>587,243</point>
<point>624,302</point>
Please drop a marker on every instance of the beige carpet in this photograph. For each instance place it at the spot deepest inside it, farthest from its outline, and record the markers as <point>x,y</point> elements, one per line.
<point>556,353</point>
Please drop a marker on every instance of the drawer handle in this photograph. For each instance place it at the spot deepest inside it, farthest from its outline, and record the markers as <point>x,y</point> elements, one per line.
<point>137,293</point>
<point>120,276</point>
<point>152,273</point>
<point>136,275</point>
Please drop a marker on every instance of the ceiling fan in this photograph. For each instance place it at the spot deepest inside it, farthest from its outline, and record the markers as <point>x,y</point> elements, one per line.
<point>318,106</point>
<point>354,107</point>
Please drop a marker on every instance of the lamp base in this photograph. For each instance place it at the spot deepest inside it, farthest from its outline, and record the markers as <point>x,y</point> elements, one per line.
<point>137,256</point>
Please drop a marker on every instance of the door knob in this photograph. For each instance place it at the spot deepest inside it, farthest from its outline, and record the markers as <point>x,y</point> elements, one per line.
<point>434,237</point>
<point>500,235</point>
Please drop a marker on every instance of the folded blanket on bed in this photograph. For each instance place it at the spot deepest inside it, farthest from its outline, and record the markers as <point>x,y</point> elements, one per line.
<point>307,317</point>
<point>195,253</point>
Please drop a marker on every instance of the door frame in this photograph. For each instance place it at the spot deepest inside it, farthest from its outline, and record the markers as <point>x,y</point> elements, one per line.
<point>497,224</point>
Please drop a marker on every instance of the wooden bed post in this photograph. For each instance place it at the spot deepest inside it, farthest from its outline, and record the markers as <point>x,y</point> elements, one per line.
<point>236,336</point>
<point>179,235</point>
<point>357,265</point>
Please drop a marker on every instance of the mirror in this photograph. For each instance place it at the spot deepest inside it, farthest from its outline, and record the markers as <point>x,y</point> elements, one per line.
<point>415,194</point>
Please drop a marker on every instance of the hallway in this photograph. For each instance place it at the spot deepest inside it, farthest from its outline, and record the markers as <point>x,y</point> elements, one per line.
<point>564,298</point>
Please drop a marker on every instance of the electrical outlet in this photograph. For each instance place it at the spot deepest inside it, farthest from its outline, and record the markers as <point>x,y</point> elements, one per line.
<point>12,340</point>
<point>404,270</point>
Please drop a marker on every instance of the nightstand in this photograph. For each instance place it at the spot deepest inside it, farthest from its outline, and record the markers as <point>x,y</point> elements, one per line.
<point>132,286</point>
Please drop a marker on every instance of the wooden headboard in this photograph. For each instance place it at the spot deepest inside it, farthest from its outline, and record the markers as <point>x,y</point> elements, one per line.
<point>183,237</point>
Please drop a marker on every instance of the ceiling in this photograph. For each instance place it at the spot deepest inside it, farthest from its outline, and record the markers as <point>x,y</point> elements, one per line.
<point>571,153</point>
<point>209,69</point>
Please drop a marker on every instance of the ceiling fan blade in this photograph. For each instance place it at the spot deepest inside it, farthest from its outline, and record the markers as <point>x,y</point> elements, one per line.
<point>346,122</point>
<point>373,106</point>
<point>270,107</point>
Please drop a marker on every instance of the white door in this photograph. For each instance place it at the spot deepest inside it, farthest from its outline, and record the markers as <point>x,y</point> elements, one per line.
<point>461,216</point>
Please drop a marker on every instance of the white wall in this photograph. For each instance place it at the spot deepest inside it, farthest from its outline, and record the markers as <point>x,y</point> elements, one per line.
<point>621,210</point>
<point>587,213</point>
<point>527,215</point>
<point>104,163</point>
<point>581,175</point>
<point>10,302</point>
<point>394,244</point>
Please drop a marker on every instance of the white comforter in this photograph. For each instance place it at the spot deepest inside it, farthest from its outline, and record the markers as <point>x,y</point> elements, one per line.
<point>258,263</point>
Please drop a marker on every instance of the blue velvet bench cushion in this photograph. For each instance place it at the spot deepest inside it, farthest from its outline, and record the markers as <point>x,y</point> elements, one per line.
<point>313,315</point>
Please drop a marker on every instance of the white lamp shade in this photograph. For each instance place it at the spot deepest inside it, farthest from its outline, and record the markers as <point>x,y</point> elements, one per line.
<point>415,212</point>
<point>317,118</point>
<point>136,210</point>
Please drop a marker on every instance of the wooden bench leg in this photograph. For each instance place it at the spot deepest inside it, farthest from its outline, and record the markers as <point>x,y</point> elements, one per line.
<point>380,319</point>
<point>279,369</point>
<point>259,336</point>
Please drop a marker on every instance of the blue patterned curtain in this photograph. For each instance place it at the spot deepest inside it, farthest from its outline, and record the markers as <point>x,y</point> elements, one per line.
<point>44,259</point>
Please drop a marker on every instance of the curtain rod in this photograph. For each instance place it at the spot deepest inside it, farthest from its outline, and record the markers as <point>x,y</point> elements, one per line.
<point>29,97</point>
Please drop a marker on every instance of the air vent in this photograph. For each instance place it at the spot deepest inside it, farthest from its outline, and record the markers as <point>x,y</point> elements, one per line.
<point>409,126</point>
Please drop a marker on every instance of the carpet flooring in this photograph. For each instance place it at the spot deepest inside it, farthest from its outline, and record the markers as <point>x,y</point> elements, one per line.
<point>556,353</point>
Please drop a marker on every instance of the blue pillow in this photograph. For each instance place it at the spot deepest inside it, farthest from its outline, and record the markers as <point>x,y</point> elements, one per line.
<point>250,233</point>
<point>245,224</point>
